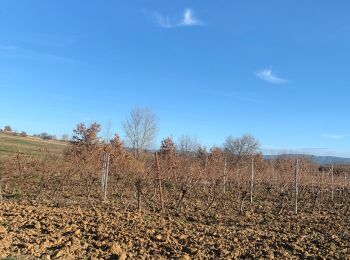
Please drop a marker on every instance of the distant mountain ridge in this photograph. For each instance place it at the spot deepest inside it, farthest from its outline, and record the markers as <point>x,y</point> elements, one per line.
<point>315,158</point>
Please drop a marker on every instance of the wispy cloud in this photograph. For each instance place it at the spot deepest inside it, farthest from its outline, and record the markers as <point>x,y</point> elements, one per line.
<point>269,76</point>
<point>187,19</point>
<point>163,21</point>
<point>333,136</point>
<point>18,52</point>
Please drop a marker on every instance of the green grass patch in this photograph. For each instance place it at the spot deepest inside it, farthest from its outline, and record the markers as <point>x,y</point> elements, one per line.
<point>30,145</point>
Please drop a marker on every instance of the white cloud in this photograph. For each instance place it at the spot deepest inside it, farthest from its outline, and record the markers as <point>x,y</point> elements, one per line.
<point>268,75</point>
<point>187,19</point>
<point>333,136</point>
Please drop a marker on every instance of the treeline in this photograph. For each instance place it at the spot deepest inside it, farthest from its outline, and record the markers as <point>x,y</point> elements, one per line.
<point>8,129</point>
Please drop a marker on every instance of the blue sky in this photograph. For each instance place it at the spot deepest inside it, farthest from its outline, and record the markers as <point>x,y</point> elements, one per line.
<point>276,69</point>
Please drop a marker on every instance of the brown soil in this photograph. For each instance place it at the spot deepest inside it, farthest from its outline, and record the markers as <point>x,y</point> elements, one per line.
<point>32,230</point>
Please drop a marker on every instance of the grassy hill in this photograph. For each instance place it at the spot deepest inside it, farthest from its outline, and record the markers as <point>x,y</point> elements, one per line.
<point>10,143</point>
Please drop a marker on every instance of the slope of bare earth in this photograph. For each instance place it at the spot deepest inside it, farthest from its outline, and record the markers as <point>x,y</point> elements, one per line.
<point>29,230</point>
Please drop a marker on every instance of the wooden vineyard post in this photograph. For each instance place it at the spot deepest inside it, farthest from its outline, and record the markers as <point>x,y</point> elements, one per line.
<point>332,180</point>
<point>103,172</point>
<point>345,178</point>
<point>296,186</point>
<point>225,172</point>
<point>322,183</point>
<point>205,168</point>
<point>160,186</point>
<point>205,173</point>
<point>251,180</point>
<point>104,180</point>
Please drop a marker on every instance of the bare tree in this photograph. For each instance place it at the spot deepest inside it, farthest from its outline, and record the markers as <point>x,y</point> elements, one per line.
<point>187,145</point>
<point>140,128</point>
<point>242,147</point>
<point>107,132</point>
<point>65,137</point>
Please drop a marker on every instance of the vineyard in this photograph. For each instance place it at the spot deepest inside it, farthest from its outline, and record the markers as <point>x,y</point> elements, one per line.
<point>100,200</point>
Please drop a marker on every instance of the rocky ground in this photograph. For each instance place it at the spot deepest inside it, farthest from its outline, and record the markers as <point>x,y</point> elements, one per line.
<point>31,230</point>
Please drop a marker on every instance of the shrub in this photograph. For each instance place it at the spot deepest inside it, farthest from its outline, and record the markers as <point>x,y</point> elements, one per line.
<point>23,134</point>
<point>7,128</point>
